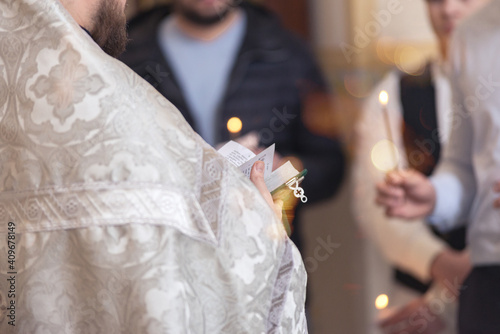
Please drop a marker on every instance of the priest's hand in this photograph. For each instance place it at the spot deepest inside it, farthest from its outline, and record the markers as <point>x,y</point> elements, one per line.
<point>406,194</point>
<point>257,177</point>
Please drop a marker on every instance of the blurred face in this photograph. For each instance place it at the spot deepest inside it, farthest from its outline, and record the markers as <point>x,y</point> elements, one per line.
<point>446,14</point>
<point>204,12</point>
<point>109,26</point>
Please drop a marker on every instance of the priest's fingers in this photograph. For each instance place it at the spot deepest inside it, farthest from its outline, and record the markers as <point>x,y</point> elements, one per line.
<point>257,177</point>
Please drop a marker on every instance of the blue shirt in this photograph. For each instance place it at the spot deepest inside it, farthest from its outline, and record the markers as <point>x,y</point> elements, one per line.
<point>202,68</point>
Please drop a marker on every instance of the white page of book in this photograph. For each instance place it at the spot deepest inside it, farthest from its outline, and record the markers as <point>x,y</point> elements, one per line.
<point>244,159</point>
<point>235,153</point>
<point>281,175</point>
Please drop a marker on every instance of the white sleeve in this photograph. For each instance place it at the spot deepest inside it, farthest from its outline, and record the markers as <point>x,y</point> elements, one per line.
<point>454,179</point>
<point>409,245</point>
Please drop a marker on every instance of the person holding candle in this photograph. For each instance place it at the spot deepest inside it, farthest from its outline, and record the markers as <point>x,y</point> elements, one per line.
<point>466,182</point>
<point>417,116</point>
<point>216,60</point>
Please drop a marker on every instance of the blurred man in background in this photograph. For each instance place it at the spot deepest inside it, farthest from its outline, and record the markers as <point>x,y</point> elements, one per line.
<point>420,117</point>
<point>465,185</point>
<point>219,59</point>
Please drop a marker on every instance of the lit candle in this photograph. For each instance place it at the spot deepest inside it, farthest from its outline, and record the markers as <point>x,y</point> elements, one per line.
<point>384,100</point>
<point>234,126</point>
<point>381,302</point>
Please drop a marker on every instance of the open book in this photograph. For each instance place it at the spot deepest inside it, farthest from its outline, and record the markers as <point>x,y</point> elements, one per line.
<point>282,180</point>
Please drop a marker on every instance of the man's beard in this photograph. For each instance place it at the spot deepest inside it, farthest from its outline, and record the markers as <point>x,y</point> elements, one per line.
<point>110,31</point>
<point>202,20</point>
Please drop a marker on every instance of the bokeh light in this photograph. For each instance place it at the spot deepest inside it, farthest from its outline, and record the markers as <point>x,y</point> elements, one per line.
<point>234,125</point>
<point>381,302</point>
<point>383,98</point>
<point>410,60</point>
<point>385,155</point>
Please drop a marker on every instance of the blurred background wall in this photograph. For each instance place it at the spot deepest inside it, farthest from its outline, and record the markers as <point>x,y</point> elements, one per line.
<point>356,42</point>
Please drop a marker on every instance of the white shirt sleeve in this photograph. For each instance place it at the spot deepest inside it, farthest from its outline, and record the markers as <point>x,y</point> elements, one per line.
<point>409,245</point>
<point>454,180</point>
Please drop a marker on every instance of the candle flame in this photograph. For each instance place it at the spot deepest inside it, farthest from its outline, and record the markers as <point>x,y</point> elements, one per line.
<point>383,98</point>
<point>381,302</point>
<point>234,125</point>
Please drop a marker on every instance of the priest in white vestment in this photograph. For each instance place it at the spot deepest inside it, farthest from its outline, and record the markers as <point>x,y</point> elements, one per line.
<point>115,217</point>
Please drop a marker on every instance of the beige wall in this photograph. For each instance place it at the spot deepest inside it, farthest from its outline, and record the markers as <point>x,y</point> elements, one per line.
<point>409,24</point>
<point>371,33</point>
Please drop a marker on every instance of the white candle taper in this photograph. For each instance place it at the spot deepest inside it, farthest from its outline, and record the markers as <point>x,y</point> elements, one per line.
<point>384,100</point>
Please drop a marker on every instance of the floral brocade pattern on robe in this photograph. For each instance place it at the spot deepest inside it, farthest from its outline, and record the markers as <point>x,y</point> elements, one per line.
<point>125,220</point>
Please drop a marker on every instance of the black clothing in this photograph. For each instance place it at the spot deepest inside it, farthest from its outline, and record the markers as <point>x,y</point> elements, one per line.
<point>420,128</point>
<point>422,147</point>
<point>479,303</point>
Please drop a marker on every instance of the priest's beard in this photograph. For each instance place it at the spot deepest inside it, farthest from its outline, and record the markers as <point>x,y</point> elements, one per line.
<point>110,27</point>
<point>205,20</point>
